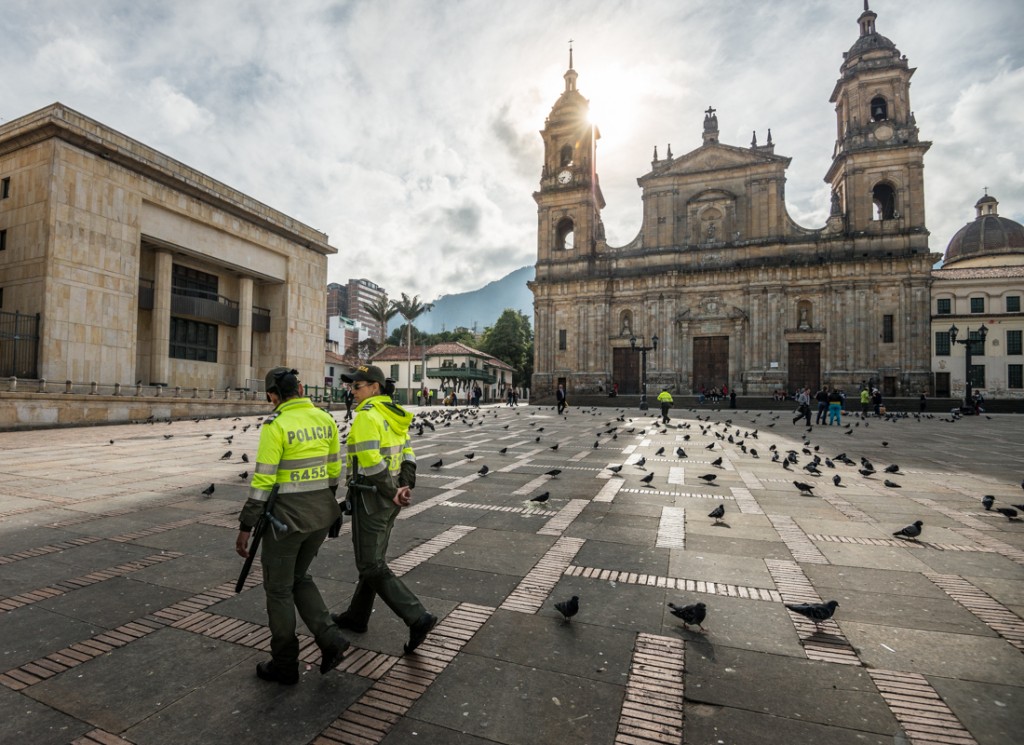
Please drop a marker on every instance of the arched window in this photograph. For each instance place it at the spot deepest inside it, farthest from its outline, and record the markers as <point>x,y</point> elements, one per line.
<point>879,109</point>
<point>564,234</point>
<point>884,198</point>
<point>566,158</point>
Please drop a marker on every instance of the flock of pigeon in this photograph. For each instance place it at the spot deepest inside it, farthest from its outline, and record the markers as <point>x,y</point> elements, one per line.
<point>694,614</point>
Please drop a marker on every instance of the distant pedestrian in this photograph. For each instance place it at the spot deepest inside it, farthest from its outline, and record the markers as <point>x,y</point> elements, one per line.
<point>665,399</point>
<point>803,399</point>
<point>349,398</point>
<point>732,399</point>
<point>876,401</point>
<point>822,398</point>
<point>865,401</point>
<point>922,403</point>
<point>835,407</point>
<point>560,398</point>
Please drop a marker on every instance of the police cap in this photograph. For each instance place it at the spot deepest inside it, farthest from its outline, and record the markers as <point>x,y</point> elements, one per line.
<point>369,373</point>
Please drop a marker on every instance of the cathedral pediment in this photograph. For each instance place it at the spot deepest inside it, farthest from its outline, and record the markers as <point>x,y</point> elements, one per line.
<point>713,157</point>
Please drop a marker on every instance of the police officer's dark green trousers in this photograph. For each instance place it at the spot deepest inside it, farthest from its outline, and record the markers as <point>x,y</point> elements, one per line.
<point>289,586</point>
<point>370,535</point>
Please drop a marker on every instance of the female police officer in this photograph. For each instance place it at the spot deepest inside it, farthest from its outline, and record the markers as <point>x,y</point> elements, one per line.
<point>300,455</point>
<point>381,476</point>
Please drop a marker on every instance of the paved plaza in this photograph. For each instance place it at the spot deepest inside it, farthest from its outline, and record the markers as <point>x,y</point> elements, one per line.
<point>120,623</point>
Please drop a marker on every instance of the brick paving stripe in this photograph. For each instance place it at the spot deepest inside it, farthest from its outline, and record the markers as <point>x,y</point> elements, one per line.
<point>918,708</point>
<point>416,556</point>
<point>745,501</point>
<point>675,583</point>
<point>993,614</point>
<point>564,518</point>
<point>796,540</point>
<point>656,666</point>
<point>534,589</point>
<point>371,717</point>
<point>672,528</point>
<point>824,642</point>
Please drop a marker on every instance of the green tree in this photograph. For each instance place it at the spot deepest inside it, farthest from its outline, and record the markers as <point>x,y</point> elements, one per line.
<point>510,340</point>
<point>382,310</point>
<point>410,308</point>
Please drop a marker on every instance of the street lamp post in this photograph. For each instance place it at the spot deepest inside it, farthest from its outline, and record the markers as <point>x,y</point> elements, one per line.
<point>643,350</point>
<point>968,343</point>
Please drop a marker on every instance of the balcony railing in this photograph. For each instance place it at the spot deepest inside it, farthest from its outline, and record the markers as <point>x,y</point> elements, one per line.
<point>461,373</point>
<point>206,306</point>
<point>260,319</point>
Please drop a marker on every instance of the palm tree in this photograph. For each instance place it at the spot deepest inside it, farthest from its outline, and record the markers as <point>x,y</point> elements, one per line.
<point>382,310</point>
<point>410,308</point>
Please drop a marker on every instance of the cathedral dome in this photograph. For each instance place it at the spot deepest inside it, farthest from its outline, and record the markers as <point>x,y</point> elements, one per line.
<point>988,235</point>
<point>869,43</point>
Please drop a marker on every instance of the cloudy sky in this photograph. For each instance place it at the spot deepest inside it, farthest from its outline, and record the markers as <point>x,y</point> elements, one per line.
<point>407,130</point>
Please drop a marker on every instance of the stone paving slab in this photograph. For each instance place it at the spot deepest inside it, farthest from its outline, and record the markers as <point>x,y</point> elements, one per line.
<point>944,613</point>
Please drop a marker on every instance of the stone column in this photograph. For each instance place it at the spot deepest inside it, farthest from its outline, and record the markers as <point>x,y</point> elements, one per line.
<point>243,371</point>
<point>160,367</point>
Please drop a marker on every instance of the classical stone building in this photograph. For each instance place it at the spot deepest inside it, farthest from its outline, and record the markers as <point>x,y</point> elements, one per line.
<point>736,292</point>
<point>141,269</point>
<point>980,285</point>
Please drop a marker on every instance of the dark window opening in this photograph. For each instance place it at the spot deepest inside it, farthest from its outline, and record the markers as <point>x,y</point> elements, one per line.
<point>394,372</point>
<point>1015,376</point>
<point>3,240</point>
<point>977,344</point>
<point>942,344</point>
<point>977,376</point>
<point>566,156</point>
<point>977,305</point>
<point>563,342</point>
<point>887,330</point>
<point>885,202</point>
<point>944,306</point>
<point>879,109</point>
<point>1013,304</point>
<point>193,283</point>
<point>5,187</point>
<point>564,234</point>
<point>193,340</point>
<point>1,297</point>
<point>1014,344</point>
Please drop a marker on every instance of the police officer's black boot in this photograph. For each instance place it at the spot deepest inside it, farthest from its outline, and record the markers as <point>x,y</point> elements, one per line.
<point>269,671</point>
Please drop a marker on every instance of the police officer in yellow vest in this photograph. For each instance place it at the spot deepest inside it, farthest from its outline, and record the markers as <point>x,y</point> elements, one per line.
<point>300,453</point>
<point>665,398</point>
<point>381,473</point>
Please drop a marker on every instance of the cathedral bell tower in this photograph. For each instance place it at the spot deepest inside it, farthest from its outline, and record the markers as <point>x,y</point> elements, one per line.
<point>877,172</point>
<point>569,201</point>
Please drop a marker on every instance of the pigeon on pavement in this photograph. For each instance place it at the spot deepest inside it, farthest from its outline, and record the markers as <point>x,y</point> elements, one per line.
<point>568,608</point>
<point>553,472</point>
<point>804,488</point>
<point>541,498</point>
<point>226,455</point>
<point>717,462</point>
<point>615,469</point>
<point>892,469</point>
<point>208,490</point>
<point>718,512</point>
<point>648,479</point>
<point>911,531</point>
<point>690,614</point>
<point>817,612</point>
<point>709,477</point>
<point>836,479</point>
<point>892,484</point>
<point>437,464</point>
<point>987,501</point>
<point>483,471</point>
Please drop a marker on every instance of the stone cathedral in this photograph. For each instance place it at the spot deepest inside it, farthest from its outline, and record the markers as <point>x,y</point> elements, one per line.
<point>737,293</point>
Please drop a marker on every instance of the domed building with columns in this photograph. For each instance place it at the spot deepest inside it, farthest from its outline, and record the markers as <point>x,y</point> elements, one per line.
<point>976,308</point>
<point>721,286</point>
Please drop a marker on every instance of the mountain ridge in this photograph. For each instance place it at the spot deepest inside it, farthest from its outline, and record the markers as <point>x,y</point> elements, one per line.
<point>478,309</point>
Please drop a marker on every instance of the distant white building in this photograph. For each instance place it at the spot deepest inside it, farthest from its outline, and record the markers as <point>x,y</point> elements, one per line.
<point>980,284</point>
<point>347,333</point>
<point>450,366</point>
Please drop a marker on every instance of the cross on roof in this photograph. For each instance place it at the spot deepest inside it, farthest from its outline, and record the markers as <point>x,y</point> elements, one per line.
<point>710,111</point>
